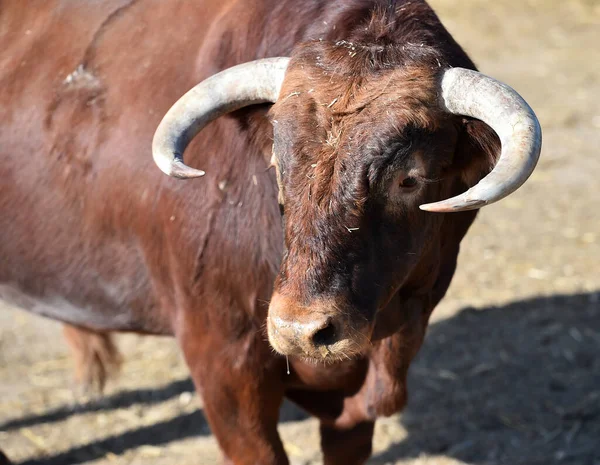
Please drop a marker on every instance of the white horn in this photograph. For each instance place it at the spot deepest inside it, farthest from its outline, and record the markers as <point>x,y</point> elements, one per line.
<point>469,93</point>
<point>236,87</point>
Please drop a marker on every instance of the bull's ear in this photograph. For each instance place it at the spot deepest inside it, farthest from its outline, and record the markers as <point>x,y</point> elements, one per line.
<point>477,151</point>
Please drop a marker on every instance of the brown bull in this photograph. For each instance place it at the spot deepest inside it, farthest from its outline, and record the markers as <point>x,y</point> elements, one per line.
<point>378,121</point>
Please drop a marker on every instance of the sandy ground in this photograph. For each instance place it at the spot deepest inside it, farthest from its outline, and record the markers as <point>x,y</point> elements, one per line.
<point>510,372</point>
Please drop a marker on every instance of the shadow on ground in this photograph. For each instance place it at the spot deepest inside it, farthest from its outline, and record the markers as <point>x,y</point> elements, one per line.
<point>511,385</point>
<point>119,400</point>
<point>181,427</point>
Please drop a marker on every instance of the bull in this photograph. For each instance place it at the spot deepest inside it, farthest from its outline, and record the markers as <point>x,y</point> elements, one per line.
<point>344,147</point>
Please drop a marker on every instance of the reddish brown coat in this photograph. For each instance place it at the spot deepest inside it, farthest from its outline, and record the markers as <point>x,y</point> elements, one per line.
<point>94,235</point>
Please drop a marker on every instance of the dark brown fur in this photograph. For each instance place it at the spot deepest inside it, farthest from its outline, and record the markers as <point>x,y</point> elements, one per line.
<point>94,235</point>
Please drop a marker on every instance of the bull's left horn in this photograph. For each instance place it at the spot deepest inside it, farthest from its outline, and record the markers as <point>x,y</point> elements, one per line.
<point>469,93</point>
<point>236,87</point>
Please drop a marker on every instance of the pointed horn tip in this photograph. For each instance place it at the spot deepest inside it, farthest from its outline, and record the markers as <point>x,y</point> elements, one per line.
<point>181,171</point>
<point>174,167</point>
<point>189,174</point>
<point>452,206</point>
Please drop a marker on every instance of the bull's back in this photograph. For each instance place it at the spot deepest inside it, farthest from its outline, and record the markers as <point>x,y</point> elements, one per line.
<point>88,222</point>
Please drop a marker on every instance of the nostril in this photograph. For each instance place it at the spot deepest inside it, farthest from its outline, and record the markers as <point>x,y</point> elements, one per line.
<point>325,336</point>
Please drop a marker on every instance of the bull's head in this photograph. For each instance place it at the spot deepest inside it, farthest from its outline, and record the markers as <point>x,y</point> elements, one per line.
<point>361,159</point>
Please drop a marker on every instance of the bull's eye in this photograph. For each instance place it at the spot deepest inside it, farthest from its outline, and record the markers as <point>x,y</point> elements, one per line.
<point>408,183</point>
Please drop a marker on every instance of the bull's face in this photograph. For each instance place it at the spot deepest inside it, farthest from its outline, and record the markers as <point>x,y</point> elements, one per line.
<point>355,157</point>
<point>364,138</point>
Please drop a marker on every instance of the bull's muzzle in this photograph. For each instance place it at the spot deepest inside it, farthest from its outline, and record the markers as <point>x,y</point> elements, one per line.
<point>320,331</point>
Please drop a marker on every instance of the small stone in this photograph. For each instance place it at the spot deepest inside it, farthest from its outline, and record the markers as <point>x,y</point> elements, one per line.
<point>185,398</point>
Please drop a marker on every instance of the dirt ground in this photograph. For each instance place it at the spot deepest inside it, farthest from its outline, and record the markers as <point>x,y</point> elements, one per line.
<point>509,373</point>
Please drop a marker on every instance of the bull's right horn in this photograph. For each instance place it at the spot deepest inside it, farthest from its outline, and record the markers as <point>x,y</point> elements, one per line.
<point>467,92</point>
<point>234,88</point>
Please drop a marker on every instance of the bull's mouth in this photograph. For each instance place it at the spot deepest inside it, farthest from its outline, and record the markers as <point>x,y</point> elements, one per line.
<point>329,343</point>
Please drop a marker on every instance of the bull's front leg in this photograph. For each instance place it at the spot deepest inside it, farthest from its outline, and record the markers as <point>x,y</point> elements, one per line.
<point>346,428</point>
<point>240,381</point>
<point>348,438</point>
<point>346,445</point>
